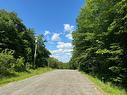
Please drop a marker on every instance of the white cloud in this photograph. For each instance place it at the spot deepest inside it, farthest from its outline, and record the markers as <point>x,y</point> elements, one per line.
<point>68,28</point>
<point>47,33</point>
<point>60,51</point>
<point>56,51</point>
<point>55,56</point>
<point>63,45</point>
<point>69,54</point>
<point>55,37</point>
<point>69,36</point>
<point>63,51</point>
<point>61,57</point>
<point>61,54</point>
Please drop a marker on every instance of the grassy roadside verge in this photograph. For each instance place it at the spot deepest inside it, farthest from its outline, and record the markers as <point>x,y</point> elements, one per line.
<point>106,87</point>
<point>23,75</point>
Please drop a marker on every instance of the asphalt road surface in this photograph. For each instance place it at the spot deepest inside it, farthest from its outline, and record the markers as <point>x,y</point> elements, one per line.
<point>57,82</point>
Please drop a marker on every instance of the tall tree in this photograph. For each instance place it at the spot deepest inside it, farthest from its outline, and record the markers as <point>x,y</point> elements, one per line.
<point>100,40</point>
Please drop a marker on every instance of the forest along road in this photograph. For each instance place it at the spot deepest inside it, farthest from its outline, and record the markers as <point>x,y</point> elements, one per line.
<point>57,82</point>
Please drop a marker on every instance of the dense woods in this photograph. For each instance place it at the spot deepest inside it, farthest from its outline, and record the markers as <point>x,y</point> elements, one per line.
<point>17,45</point>
<point>100,41</point>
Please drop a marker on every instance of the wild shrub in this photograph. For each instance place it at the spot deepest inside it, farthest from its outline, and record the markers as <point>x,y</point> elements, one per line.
<point>6,61</point>
<point>19,65</point>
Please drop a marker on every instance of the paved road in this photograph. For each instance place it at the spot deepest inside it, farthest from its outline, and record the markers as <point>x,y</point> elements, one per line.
<point>58,82</point>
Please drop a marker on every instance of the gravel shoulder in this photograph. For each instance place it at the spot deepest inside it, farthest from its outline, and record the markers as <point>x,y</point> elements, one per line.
<point>57,82</point>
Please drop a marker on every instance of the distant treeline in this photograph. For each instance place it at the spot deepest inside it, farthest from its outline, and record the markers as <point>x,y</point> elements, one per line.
<point>56,64</point>
<point>100,40</point>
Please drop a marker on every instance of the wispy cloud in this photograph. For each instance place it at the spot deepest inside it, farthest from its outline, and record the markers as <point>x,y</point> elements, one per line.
<point>69,36</point>
<point>68,28</point>
<point>55,37</point>
<point>63,45</point>
<point>47,33</point>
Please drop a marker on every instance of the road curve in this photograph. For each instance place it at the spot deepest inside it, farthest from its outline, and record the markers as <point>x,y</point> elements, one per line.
<point>57,82</point>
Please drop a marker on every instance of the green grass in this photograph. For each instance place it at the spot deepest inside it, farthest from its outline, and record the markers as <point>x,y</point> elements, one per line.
<point>108,88</point>
<point>23,75</point>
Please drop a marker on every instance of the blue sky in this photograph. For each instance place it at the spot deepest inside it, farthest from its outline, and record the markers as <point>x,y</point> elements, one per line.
<point>56,19</point>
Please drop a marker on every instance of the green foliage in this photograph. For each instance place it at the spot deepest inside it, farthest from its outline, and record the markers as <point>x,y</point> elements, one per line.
<point>108,88</point>
<point>42,52</point>
<point>100,40</point>
<point>54,63</point>
<point>64,66</point>
<point>19,65</point>
<point>23,75</point>
<point>6,62</point>
<point>15,36</point>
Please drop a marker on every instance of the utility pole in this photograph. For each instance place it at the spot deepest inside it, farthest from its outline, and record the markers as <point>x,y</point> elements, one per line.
<point>35,51</point>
